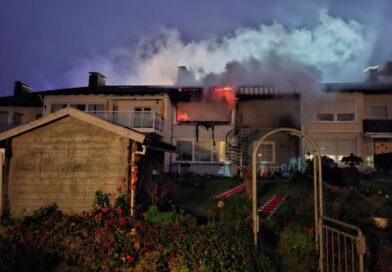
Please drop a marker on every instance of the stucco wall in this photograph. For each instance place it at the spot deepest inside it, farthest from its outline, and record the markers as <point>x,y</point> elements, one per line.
<point>269,113</point>
<point>377,100</point>
<point>66,162</point>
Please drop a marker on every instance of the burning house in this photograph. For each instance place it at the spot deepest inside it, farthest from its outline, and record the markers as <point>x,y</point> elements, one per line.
<point>203,119</point>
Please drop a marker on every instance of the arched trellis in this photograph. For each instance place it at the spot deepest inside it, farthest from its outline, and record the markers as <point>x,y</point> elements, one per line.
<point>317,181</point>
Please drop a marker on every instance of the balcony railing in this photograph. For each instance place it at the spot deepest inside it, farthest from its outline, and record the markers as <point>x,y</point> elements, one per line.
<point>377,126</point>
<point>146,121</point>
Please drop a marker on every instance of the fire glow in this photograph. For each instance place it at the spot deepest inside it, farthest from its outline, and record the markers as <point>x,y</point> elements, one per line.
<point>182,116</point>
<point>215,105</point>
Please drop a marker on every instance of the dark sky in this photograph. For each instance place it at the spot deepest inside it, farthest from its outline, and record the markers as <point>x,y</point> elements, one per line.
<point>41,41</point>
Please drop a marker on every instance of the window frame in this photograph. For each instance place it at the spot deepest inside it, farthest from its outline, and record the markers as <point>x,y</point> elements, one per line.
<point>213,153</point>
<point>377,118</point>
<point>273,144</point>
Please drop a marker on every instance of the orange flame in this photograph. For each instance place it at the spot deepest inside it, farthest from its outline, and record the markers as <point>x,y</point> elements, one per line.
<point>182,116</point>
<point>225,93</point>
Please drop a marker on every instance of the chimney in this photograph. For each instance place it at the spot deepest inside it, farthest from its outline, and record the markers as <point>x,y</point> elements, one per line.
<point>184,77</point>
<point>21,89</point>
<point>96,80</point>
<point>371,74</point>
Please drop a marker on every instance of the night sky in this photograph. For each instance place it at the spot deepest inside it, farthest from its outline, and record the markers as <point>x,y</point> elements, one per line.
<point>53,44</point>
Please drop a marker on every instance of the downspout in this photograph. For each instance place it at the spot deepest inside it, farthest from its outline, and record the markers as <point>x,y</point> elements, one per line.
<point>132,177</point>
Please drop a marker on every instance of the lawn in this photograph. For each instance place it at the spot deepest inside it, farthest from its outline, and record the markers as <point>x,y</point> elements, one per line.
<point>196,194</point>
<point>383,184</point>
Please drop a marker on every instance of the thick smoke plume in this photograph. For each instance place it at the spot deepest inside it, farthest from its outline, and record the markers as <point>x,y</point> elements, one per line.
<point>334,50</point>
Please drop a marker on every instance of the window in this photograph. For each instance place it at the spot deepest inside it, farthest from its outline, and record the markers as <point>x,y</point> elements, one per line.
<point>81,107</point>
<point>266,153</point>
<point>56,107</point>
<point>143,118</point>
<point>345,117</point>
<point>325,117</point>
<point>184,150</point>
<point>335,111</point>
<point>203,151</point>
<point>380,111</point>
<point>95,107</point>
<point>4,117</point>
<point>337,148</point>
<point>18,118</point>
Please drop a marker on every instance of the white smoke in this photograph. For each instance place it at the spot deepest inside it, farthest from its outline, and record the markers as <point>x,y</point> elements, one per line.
<point>338,49</point>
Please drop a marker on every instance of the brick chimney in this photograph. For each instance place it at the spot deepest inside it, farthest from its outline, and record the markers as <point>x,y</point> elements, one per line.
<point>21,89</point>
<point>96,79</point>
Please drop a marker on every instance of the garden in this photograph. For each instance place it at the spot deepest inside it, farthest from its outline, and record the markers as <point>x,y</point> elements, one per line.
<point>187,229</point>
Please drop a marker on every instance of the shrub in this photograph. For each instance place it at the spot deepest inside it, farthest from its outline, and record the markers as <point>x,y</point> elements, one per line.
<point>297,249</point>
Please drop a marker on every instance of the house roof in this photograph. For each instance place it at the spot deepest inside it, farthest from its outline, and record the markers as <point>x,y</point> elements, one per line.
<point>68,111</point>
<point>113,89</point>
<point>367,88</point>
<point>27,100</point>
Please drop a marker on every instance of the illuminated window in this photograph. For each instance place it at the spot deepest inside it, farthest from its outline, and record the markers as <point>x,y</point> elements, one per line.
<point>266,153</point>
<point>184,150</point>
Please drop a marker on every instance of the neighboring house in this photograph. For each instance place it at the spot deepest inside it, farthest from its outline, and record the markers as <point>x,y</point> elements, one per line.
<point>214,135</point>
<point>377,122</point>
<point>23,107</point>
<point>147,109</point>
<point>333,119</point>
<point>66,156</point>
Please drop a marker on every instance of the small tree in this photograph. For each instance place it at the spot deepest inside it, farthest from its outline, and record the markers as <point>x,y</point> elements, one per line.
<point>352,160</point>
<point>351,175</point>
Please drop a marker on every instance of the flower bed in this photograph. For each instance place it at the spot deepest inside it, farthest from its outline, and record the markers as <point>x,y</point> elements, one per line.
<point>104,239</point>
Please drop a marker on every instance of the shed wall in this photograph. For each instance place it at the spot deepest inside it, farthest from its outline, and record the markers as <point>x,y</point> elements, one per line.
<point>64,162</point>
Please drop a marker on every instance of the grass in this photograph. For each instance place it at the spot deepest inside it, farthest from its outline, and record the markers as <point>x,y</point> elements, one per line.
<point>196,195</point>
<point>383,184</point>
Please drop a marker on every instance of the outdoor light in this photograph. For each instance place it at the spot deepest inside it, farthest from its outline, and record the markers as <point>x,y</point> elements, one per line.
<point>308,156</point>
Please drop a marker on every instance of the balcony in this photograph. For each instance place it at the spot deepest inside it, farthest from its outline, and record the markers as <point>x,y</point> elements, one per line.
<point>143,121</point>
<point>377,126</point>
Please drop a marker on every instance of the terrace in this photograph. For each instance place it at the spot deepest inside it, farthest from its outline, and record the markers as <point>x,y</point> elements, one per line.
<point>143,121</point>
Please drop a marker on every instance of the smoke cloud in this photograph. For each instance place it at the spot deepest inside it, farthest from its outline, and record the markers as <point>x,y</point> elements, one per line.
<point>333,50</point>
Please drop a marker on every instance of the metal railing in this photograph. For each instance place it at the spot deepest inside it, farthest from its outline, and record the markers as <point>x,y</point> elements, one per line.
<point>133,119</point>
<point>377,125</point>
<point>343,246</point>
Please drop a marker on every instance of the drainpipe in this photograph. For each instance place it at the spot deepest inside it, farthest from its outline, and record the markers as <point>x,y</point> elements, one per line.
<point>133,166</point>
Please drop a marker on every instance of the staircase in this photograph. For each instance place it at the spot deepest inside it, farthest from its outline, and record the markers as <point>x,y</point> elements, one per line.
<point>238,141</point>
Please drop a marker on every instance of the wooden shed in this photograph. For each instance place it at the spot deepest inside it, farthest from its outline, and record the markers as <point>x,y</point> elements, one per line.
<point>65,157</point>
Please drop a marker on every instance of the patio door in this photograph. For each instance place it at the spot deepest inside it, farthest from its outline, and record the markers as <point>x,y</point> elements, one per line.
<point>142,118</point>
